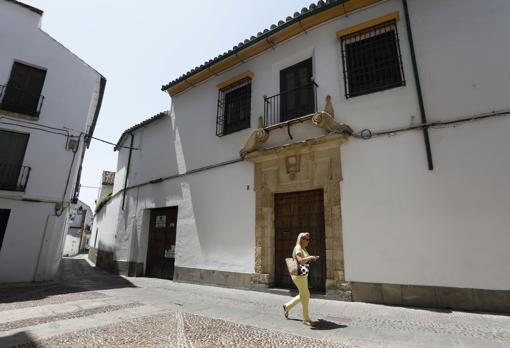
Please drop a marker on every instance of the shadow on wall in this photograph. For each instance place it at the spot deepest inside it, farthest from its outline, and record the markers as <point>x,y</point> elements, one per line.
<point>105,260</point>
<point>75,276</point>
<point>18,339</point>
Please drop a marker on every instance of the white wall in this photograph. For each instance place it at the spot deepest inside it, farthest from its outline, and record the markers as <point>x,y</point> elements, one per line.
<point>21,251</point>
<point>71,246</point>
<point>213,231</point>
<point>70,93</point>
<point>404,224</point>
<point>401,222</point>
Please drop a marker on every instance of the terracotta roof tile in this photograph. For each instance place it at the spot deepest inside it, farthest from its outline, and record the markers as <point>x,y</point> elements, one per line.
<point>305,12</point>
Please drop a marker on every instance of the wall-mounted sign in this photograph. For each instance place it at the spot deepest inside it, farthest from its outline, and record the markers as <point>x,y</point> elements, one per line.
<point>160,221</point>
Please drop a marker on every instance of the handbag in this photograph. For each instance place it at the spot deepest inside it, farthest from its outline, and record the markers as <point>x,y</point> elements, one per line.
<point>296,268</point>
<point>292,266</point>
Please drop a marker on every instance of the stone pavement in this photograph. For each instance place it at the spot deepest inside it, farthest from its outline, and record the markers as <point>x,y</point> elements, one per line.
<point>87,307</point>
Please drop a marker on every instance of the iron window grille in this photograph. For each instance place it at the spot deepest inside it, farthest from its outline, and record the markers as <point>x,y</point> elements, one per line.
<point>234,107</point>
<point>372,60</point>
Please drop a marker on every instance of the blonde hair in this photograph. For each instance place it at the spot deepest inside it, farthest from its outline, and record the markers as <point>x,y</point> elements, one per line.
<point>301,236</point>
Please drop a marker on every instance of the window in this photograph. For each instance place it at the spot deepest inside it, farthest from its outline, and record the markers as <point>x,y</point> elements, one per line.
<point>4,217</point>
<point>371,60</point>
<point>23,91</point>
<point>234,107</point>
<point>13,175</point>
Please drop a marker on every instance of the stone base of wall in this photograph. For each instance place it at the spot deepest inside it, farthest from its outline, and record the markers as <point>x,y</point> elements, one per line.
<point>212,277</point>
<point>104,260</point>
<point>497,301</point>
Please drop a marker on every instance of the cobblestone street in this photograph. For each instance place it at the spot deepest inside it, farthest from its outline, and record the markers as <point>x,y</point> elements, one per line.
<point>87,307</point>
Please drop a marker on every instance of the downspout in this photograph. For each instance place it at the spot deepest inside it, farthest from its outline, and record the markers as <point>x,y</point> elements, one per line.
<point>127,169</point>
<point>418,87</point>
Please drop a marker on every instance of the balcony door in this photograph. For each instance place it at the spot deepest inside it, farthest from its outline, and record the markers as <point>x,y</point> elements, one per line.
<point>296,90</point>
<point>24,89</point>
<point>12,153</point>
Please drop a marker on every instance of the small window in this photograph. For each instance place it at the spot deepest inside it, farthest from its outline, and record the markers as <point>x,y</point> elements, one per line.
<point>371,60</point>
<point>234,107</point>
<point>23,91</point>
<point>4,217</point>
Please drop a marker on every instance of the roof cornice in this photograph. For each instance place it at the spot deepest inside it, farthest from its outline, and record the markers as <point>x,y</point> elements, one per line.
<point>302,21</point>
<point>28,7</point>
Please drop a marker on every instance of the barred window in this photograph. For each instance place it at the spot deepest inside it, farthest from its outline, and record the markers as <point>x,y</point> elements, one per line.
<point>234,104</point>
<point>371,60</point>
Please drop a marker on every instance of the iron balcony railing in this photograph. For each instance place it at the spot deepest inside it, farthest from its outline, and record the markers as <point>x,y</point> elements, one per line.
<point>290,104</point>
<point>21,101</point>
<point>13,177</point>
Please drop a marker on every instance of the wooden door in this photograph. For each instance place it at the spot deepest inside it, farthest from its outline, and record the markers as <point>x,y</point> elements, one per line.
<point>297,212</point>
<point>24,89</point>
<point>296,91</point>
<point>161,248</point>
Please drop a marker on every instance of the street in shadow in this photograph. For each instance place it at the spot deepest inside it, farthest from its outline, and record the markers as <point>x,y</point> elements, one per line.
<point>74,276</point>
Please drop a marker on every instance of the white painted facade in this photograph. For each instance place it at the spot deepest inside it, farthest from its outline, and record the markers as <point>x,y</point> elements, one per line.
<point>78,233</point>
<point>34,237</point>
<point>401,223</point>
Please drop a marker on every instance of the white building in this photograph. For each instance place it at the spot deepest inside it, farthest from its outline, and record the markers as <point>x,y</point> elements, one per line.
<point>78,234</point>
<point>401,213</point>
<point>49,104</point>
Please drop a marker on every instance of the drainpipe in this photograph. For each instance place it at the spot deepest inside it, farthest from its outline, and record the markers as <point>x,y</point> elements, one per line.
<point>418,87</point>
<point>127,169</point>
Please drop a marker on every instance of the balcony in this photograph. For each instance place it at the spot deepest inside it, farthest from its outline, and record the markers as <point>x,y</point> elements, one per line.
<point>20,101</point>
<point>290,104</point>
<point>13,177</point>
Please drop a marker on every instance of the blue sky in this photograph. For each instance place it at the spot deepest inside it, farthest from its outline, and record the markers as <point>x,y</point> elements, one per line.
<point>140,45</point>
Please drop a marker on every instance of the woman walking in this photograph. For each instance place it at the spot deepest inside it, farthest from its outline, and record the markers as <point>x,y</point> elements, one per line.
<point>301,255</point>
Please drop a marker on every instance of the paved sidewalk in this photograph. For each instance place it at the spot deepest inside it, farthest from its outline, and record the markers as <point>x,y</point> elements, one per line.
<point>90,308</point>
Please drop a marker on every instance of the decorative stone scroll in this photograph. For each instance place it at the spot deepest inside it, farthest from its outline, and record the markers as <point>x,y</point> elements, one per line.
<point>256,139</point>
<point>326,120</point>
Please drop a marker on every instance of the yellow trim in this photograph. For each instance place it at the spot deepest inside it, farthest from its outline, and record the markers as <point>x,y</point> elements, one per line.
<point>368,24</point>
<point>275,39</point>
<point>236,78</point>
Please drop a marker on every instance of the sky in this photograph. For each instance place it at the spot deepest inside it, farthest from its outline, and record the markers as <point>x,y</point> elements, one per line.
<point>140,46</point>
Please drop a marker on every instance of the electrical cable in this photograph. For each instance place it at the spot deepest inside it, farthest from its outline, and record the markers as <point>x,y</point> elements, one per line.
<point>107,142</point>
<point>65,129</point>
<point>366,134</point>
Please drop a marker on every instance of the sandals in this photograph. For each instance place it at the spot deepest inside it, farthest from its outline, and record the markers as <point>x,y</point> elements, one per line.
<point>285,312</point>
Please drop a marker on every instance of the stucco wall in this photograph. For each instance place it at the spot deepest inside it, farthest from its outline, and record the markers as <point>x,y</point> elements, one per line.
<point>401,223</point>
<point>70,93</point>
<point>21,250</point>
<point>212,233</point>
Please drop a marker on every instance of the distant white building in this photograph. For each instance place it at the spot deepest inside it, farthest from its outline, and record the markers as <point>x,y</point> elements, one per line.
<point>412,208</point>
<point>78,233</point>
<point>49,105</point>
<point>105,192</point>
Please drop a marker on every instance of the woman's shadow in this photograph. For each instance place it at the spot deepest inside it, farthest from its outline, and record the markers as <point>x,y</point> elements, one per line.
<point>322,324</point>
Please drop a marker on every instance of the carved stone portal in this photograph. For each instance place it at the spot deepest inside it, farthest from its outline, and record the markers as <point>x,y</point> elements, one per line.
<point>307,165</point>
<point>326,120</point>
<point>256,139</point>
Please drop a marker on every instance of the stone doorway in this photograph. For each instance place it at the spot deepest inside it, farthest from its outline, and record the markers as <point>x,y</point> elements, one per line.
<point>313,164</point>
